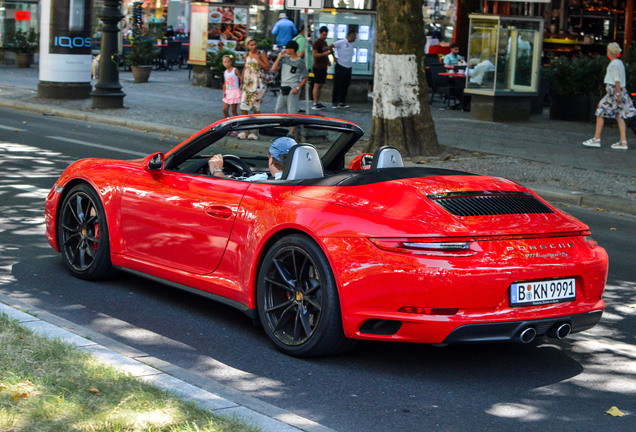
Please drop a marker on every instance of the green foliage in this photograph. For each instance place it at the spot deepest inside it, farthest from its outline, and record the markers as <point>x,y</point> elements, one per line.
<point>142,52</point>
<point>264,43</point>
<point>22,42</point>
<point>576,76</point>
<point>156,30</point>
<point>215,59</point>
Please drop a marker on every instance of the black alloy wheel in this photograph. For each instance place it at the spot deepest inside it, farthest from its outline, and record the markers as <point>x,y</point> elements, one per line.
<point>298,300</point>
<point>83,234</point>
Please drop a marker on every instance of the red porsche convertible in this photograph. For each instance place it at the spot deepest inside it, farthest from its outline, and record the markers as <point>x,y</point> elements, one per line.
<point>333,252</point>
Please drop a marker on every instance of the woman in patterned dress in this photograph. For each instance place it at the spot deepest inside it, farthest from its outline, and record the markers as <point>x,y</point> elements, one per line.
<point>253,86</point>
<point>617,103</point>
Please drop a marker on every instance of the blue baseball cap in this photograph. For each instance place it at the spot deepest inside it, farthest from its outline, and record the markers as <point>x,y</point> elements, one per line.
<point>280,147</point>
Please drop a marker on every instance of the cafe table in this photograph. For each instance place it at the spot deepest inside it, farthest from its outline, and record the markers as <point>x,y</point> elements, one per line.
<point>457,82</point>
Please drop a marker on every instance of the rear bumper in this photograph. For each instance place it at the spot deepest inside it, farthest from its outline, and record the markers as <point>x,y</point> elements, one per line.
<point>508,331</point>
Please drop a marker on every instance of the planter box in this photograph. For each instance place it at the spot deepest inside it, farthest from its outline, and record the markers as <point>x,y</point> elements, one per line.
<point>24,60</point>
<point>573,108</point>
<point>141,74</point>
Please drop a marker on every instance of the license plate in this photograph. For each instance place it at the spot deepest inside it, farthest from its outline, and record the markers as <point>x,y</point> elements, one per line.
<point>542,292</point>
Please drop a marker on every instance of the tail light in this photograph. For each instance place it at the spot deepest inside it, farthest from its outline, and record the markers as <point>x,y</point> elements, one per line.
<point>433,247</point>
<point>587,236</point>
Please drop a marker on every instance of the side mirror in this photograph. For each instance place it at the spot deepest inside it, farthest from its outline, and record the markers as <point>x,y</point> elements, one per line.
<point>154,163</point>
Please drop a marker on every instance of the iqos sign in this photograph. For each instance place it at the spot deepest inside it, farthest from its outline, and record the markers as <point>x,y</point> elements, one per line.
<point>76,42</point>
<point>70,27</point>
<point>65,46</point>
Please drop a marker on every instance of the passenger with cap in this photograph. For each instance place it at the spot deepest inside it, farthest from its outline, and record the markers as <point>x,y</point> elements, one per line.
<point>276,160</point>
<point>284,30</point>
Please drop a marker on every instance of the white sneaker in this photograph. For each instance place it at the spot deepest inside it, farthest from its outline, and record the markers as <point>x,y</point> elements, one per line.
<point>242,135</point>
<point>592,142</point>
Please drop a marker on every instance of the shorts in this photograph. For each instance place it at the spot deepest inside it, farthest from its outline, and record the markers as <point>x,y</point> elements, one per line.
<point>320,76</point>
<point>287,104</point>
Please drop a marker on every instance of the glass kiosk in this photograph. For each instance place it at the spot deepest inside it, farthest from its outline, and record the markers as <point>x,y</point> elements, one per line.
<point>504,59</point>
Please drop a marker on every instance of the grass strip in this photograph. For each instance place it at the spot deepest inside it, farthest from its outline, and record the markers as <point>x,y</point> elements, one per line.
<point>47,385</point>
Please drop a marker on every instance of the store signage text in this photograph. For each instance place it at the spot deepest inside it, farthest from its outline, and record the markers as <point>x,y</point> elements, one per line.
<point>76,42</point>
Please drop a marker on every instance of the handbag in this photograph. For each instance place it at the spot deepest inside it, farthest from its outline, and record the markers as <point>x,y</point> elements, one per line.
<point>285,90</point>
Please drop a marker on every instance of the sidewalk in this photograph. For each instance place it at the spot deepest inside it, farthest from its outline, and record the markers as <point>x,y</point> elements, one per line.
<point>545,155</point>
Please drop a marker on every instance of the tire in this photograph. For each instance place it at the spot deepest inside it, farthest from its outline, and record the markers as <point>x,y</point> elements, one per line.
<point>83,234</point>
<point>297,300</point>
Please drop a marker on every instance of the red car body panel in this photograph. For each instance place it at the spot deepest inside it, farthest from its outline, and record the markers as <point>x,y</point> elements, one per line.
<point>209,234</point>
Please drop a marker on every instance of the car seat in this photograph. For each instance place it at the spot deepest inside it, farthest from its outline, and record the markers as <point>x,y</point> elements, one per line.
<point>303,162</point>
<point>387,157</point>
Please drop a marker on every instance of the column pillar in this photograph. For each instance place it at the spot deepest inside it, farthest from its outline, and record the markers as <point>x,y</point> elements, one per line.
<point>108,93</point>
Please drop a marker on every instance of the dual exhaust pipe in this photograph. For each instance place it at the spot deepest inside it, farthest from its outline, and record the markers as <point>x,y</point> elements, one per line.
<point>557,331</point>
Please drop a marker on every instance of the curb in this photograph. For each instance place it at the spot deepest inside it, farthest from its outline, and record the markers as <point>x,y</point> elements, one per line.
<point>601,202</point>
<point>607,203</point>
<point>97,118</point>
<point>207,393</point>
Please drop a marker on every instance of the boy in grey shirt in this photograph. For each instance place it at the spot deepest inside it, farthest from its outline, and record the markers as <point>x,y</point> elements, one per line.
<point>293,77</point>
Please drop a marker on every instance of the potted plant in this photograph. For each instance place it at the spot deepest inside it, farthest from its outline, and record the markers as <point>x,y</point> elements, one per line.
<point>575,86</point>
<point>23,44</point>
<point>141,57</point>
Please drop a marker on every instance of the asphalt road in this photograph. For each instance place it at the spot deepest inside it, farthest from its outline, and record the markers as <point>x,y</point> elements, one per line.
<point>552,385</point>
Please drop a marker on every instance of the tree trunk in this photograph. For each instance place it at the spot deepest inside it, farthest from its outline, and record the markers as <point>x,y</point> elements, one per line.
<point>401,107</point>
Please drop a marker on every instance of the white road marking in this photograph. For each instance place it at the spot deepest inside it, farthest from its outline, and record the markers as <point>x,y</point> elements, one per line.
<point>13,128</point>
<point>101,146</point>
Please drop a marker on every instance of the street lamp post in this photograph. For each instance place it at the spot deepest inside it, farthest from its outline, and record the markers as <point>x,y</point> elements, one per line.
<point>107,93</point>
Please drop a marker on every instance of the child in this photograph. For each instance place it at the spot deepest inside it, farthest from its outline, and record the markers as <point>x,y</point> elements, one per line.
<point>231,87</point>
<point>292,78</point>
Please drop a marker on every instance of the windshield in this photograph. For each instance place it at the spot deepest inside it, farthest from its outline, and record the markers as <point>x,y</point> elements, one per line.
<point>252,144</point>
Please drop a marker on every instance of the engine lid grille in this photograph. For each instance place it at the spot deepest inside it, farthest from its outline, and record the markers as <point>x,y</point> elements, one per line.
<point>489,203</point>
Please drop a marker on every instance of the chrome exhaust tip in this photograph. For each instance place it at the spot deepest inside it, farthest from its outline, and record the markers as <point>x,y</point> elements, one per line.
<point>560,331</point>
<point>527,335</point>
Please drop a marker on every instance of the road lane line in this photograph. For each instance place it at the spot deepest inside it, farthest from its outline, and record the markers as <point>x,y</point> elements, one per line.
<point>13,128</point>
<point>101,146</point>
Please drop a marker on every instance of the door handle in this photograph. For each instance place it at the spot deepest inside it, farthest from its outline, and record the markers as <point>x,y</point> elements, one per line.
<point>219,212</point>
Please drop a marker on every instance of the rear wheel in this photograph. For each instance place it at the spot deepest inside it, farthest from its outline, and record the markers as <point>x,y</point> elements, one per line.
<point>83,234</point>
<point>298,301</point>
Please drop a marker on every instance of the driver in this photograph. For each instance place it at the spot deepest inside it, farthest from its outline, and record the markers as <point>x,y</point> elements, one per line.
<point>276,161</point>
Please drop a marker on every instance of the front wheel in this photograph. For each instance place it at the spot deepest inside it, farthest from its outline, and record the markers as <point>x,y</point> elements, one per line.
<point>83,234</point>
<point>298,301</point>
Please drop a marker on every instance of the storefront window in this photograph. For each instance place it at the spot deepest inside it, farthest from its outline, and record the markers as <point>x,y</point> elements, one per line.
<point>504,53</point>
<point>18,15</point>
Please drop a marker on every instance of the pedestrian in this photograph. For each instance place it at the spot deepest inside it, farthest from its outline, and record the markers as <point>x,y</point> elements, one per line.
<point>616,103</point>
<point>301,41</point>
<point>284,30</point>
<point>231,87</point>
<point>254,88</point>
<point>320,52</point>
<point>293,76</point>
<point>344,63</point>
